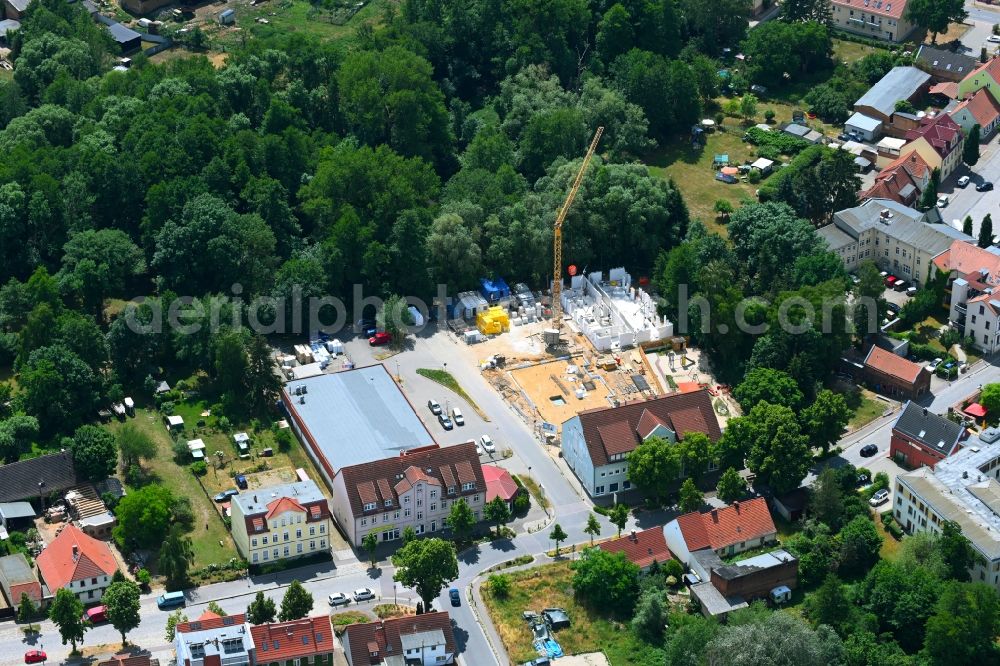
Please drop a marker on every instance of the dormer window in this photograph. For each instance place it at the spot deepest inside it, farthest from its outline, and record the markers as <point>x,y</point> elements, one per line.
<point>468,486</point>
<point>370,506</point>
<point>451,490</point>
<point>388,502</point>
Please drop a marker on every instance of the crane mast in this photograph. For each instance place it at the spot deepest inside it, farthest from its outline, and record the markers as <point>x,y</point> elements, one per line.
<point>557,232</point>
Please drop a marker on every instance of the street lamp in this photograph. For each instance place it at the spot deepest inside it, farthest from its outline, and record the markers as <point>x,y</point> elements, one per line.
<point>529,473</point>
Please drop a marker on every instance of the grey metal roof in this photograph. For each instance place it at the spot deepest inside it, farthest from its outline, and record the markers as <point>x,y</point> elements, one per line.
<point>8,25</point>
<point>900,83</point>
<point>926,427</point>
<point>19,5</point>
<point>357,416</point>
<point>863,122</point>
<point>905,224</point>
<point>796,129</point>
<point>945,60</point>
<point>14,510</point>
<point>251,501</point>
<point>15,570</point>
<point>834,237</point>
<point>121,34</point>
<point>713,602</point>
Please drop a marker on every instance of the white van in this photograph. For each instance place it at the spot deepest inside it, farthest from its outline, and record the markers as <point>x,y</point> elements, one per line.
<point>457,417</point>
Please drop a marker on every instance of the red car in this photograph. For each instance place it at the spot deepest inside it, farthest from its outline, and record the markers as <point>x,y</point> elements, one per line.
<point>34,657</point>
<point>890,280</point>
<point>380,338</point>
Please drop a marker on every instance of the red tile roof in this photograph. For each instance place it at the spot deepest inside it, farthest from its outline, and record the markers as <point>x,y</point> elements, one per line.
<point>888,8</point>
<point>721,528</point>
<point>59,566</point>
<point>892,365</point>
<point>941,132</point>
<point>126,660</point>
<point>281,505</point>
<point>982,106</point>
<point>208,615</point>
<point>910,169</point>
<point>440,465</point>
<point>211,623</point>
<point>616,427</point>
<point>308,637</point>
<point>499,483</point>
<point>947,88</point>
<point>641,548</point>
<point>360,640</point>
<point>965,258</point>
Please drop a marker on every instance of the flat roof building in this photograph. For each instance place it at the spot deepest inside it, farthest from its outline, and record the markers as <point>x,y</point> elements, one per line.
<point>353,417</point>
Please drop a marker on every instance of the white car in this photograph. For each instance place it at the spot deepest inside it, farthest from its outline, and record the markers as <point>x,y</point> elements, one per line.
<point>487,444</point>
<point>942,201</point>
<point>880,497</point>
<point>994,38</point>
<point>457,417</point>
<point>363,594</point>
<point>339,599</point>
<point>963,181</point>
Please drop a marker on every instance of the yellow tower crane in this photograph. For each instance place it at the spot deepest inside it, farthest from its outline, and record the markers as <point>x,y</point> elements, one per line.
<point>557,232</point>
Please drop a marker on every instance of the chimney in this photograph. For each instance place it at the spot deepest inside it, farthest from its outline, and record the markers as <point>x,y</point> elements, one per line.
<point>736,505</point>
<point>633,537</point>
<point>925,411</point>
<point>715,515</point>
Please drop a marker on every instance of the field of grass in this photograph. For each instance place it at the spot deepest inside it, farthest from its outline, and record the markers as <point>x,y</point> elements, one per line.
<point>551,586</point>
<point>211,542</point>
<point>849,52</point>
<point>300,16</point>
<point>342,619</point>
<point>890,547</point>
<point>867,410</point>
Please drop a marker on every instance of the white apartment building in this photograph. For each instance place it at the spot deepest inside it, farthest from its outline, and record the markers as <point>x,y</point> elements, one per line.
<point>965,489</point>
<point>281,522</point>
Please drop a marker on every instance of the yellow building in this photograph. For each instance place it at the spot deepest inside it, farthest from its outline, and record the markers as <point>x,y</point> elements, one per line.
<point>281,522</point>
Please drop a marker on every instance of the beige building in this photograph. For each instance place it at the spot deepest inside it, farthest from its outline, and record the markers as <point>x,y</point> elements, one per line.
<point>875,19</point>
<point>897,238</point>
<point>939,141</point>
<point>415,489</point>
<point>281,522</point>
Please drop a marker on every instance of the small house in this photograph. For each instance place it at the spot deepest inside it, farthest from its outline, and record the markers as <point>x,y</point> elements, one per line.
<point>197,449</point>
<point>494,290</point>
<point>242,444</point>
<point>128,40</point>
<point>174,422</point>
<point>227,17</point>
<point>763,165</point>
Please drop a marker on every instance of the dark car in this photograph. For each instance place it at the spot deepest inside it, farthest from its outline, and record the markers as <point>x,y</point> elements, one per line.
<point>892,307</point>
<point>367,327</point>
<point>984,186</point>
<point>226,494</point>
<point>445,422</point>
<point>868,450</point>
<point>241,481</point>
<point>456,598</point>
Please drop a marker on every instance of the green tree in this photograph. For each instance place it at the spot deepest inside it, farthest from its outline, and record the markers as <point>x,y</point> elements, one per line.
<point>772,638</point>
<point>956,551</point>
<point>176,556</point>
<point>454,251</point>
<point>558,534</point>
<point>967,225</point>
<point>779,50</point>
<point>748,106</point>
<point>606,581</point>
<point>66,612</point>
<point>965,626</point>
<point>775,448</point>
<point>593,527</point>
<point>144,517</point>
<point>970,152</point>
<point>26,610</point>
<point>95,455</point>
<point>935,15</point>
<point>901,600</point>
<point>986,231</point>
<point>651,615</point>
<point>427,566</point>
<point>826,499</point>
<point>654,466</point>
<point>499,585</point>
<point>394,318</point>
<point>58,389</point>
<point>618,515</point>
<point>121,601</point>
<point>723,209</point>
<point>214,607</point>
<point>691,499</point>
<point>687,637</point>
<point>765,384</point>
<point>461,520</point>
<point>296,604</point>
<point>860,543</point>
<point>102,262</point>
<point>409,534</point>
<point>615,34</point>
<point>496,510</point>
<point>370,544</point>
<point>261,610</point>
<point>731,486</point>
<point>263,386</point>
<point>175,618</point>
<point>824,420</point>
<point>805,10</point>
<point>829,604</point>
<point>828,103</point>
<point>134,444</point>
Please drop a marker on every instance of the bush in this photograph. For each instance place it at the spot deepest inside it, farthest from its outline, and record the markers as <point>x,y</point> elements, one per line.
<point>167,407</point>
<point>499,585</point>
<point>769,116</point>
<point>895,530</point>
<point>143,577</point>
<point>674,568</point>
<point>522,502</point>
<point>785,144</point>
<point>199,468</point>
<point>754,176</point>
<point>284,440</point>
<point>887,518</point>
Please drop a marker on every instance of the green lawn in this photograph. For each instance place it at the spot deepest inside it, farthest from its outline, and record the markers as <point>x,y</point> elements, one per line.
<point>850,52</point>
<point>300,16</point>
<point>447,380</point>
<point>210,539</point>
<point>551,586</point>
<point>867,410</point>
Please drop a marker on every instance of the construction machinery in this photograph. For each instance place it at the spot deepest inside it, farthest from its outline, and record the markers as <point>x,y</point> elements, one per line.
<point>557,239</point>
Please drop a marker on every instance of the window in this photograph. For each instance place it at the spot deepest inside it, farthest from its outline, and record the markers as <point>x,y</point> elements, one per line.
<point>385,517</point>
<point>599,490</point>
<point>420,515</point>
<point>475,499</point>
<point>255,557</point>
<point>406,513</point>
<point>420,502</point>
<point>90,594</point>
<point>286,551</point>
<point>364,521</point>
<point>93,581</point>
<point>434,493</point>
<point>266,555</point>
<point>322,528</point>
<point>973,319</point>
<point>395,516</point>
<point>312,530</point>
<point>265,541</point>
<point>388,502</point>
<point>322,543</point>
<point>613,487</point>
<point>369,506</point>
<point>286,536</point>
<point>406,499</point>
<point>451,490</point>
<point>298,534</point>
<point>626,485</point>
<point>253,543</point>
<point>468,486</point>
<point>312,545</point>
<point>434,507</point>
<point>275,553</point>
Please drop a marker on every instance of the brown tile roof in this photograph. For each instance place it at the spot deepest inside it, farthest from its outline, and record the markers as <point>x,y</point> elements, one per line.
<point>947,88</point>
<point>649,422</point>
<point>721,528</point>
<point>59,566</point>
<point>909,169</point>
<point>982,106</point>
<point>361,640</point>
<point>641,548</point>
<point>126,660</point>
<point>595,422</point>
<point>366,493</point>
<point>384,490</point>
<point>887,8</point>
<point>617,437</point>
<point>211,623</point>
<point>941,132</point>
<point>442,465</point>
<point>892,365</point>
<point>311,636</point>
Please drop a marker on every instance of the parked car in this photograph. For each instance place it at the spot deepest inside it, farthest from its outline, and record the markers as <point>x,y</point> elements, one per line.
<point>890,280</point>
<point>169,600</point>
<point>241,481</point>
<point>963,181</point>
<point>900,285</point>
<point>758,90</point>
<point>942,201</point>
<point>457,416</point>
<point>488,444</point>
<point>880,497</point>
<point>434,406</point>
<point>984,186</point>
<point>226,494</point>
<point>456,598</point>
<point>892,307</point>
<point>367,327</point>
<point>445,422</point>
<point>539,661</point>
<point>934,364</point>
<point>994,38</point>
<point>868,450</point>
<point>379,339</point>
<point>363,594</point>
<point>339,599</point>
<point>35,657</point>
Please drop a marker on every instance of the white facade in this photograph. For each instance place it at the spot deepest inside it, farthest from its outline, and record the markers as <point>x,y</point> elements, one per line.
<point>89,590</point>
<point>286,528</point>
<point>979,319</point>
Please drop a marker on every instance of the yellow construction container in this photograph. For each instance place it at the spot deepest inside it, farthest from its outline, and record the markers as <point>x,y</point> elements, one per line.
<point>493,322</point>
